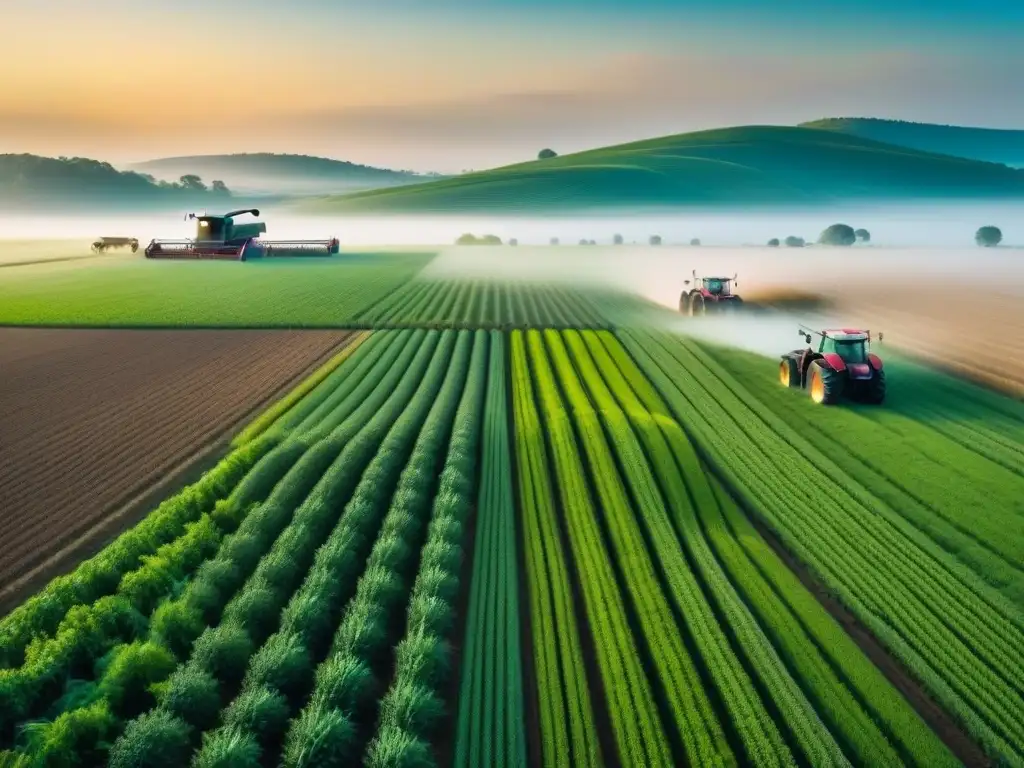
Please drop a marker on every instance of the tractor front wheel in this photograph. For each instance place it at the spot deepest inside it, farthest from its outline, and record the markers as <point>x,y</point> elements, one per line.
<point>789,376</point>
<point>684,303</point>
<point>825,384</point>
<point>875,393</point>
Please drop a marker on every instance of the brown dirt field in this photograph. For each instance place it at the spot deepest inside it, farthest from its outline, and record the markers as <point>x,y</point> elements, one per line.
<point>90,419</point>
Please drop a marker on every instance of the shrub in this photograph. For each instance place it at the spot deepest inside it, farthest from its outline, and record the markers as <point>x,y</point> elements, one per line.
<point>546,154</point>
<point>655,240</point>
<point>425,658</point>
<point>395,748</point>
<point>214,583</point>
<point>390,551</point>
<point>132,671</point>
<point>321,739</point>
<point>244,551</point>
<point>224,652</point>
<point>988,237</point>
<point>617,240</point>
<point>412,707</point>
<point>228,748</point>
<point>437,581</point>
<point>193,695</point>
<point>838,234</point>
<point>158,739</point>
<point>795,242</point>
<point>255,609</point>
<point>72,739</point>
<point>363,631</point>
<point>283,663</point>
<point>261,710</point>
<point>863,235</point>
<point>695,241</point>
<point>177,625</point>
<point>431,614</point>
<point>344,682</point>
<point>774,242</point>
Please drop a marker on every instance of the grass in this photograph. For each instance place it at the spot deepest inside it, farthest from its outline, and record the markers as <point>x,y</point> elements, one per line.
<point>325,293</point>
<point>732,166</point>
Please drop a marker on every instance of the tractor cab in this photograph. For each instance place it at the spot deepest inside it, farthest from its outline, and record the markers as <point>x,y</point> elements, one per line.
<point>852,346</point>
<point>717,286</point>
<point>223,229</point>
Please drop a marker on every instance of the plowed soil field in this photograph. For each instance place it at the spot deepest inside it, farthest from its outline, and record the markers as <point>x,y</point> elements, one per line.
<point>91,419</point>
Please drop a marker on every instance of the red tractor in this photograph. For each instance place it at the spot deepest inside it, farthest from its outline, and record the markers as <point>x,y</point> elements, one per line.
<point>709,294</point>
<point>843,366</point>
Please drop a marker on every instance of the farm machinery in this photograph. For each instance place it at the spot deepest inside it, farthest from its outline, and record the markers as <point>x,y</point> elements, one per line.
<point>106,243</point>
<point>221,237</point>
<point>709,294</point>
<point>842,366</point>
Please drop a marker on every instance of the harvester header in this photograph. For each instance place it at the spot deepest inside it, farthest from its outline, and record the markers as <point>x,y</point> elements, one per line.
<point>221,237</point>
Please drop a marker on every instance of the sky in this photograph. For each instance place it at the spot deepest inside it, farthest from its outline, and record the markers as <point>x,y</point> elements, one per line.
<point>452,85</point>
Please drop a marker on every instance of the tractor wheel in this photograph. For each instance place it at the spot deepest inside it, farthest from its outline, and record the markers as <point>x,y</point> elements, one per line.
<point>824,384</point>
<point>697,305</point>
<point>789,376</point>
<point>684,303</point>
<point>875,391</point>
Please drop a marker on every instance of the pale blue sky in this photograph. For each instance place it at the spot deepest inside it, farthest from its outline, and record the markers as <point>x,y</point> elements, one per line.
<point>452,84</point>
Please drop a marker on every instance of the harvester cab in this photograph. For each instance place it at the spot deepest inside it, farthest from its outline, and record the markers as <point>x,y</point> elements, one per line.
<point>842,365</point>
<point>221,237</point>
<point>705,294</point>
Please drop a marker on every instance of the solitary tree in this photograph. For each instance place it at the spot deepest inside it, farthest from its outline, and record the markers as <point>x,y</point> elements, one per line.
<point>988,237</point>
<point>490,240</point>
<point>794,242</point>
<point>695,241</point>
<point>774,242</point>
<point>655,240</point>
<point>863,236</point>
<point>466,239</point>
<point>546,154</point>
<point>617,240</point>
<point>838,234</point>
<point>584,242</point>
<point>513,241</point>
<point>219,187</point>
<point>554,241</point>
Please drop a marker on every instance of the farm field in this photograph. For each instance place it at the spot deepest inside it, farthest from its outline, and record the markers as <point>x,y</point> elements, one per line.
<point>115,292</point>
<point>93,418</point>
<point>553,547</point>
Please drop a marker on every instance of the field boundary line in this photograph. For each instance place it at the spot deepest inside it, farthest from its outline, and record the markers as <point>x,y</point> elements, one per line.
<point>133,509</point>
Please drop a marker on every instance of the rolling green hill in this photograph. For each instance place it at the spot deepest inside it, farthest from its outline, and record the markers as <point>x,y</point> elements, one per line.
<point>764,165</point>
<point>279,174</point>
<point>992,145</point>
<point>31,182</point>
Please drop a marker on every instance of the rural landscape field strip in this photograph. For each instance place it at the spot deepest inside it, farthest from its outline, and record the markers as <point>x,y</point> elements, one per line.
<point>640,737</point>
<point>901,452</point>
<point>568,729</point>
<point>949,629</point>
<point>486,304</point>
<point>491,728</point>
<point>809,666</point>
<point>139,293</point>
<point>96,417</point>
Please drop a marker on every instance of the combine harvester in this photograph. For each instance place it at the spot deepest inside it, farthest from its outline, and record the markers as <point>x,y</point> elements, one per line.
<point>842,366</point>
<point>709,294</point>
<point>219,237</point>
<point>104,244</point>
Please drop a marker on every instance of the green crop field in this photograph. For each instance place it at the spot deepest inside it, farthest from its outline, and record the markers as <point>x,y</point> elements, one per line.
<point>501,529</point>
<point>733,166</point>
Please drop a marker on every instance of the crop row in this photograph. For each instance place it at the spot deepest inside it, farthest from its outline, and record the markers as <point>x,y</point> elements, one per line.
<point>746,666</point>
<point>957,636</point>
<point>486,304</point>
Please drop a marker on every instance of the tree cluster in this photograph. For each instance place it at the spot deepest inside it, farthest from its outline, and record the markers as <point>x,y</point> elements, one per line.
<point>471,239</point>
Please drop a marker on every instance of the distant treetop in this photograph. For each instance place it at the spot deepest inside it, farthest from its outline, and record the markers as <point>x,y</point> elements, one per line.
<point>546,154</point>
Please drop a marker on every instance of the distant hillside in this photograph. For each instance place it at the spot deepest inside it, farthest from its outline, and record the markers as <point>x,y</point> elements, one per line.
<point>752,165</point>
<point>280,174</point>
<point>989,144</point>
<point>30,182</point>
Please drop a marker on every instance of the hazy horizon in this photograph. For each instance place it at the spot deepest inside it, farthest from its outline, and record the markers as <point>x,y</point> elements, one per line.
<point>461,86</point>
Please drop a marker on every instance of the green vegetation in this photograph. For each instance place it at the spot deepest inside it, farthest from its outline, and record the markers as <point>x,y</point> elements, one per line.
<point>558,544</point>
<point>30,182</point>
<point>747,165</point>
<point>265,172</point>
<point>141,293</point>
<point>991,145</point>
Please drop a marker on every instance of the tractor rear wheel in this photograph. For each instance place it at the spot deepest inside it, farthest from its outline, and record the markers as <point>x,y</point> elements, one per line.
<point>875,391</point>
<point>697,305</point>
<point>789,375</point>
<point>825,384</point>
